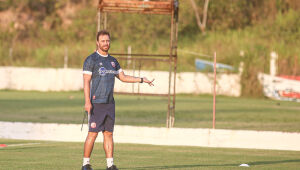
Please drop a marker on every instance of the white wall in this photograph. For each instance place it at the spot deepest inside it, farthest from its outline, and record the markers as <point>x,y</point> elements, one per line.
<point>50,79</point>
<point>40,79</point>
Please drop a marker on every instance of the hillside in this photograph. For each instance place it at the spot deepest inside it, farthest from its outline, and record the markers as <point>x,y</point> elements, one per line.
<point>40,33</point>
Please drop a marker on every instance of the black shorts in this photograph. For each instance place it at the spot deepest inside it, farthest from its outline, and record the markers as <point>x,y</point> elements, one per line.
<point>102,117</point>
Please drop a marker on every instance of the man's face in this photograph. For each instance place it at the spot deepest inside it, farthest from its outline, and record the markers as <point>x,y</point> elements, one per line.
<point>103,43</point>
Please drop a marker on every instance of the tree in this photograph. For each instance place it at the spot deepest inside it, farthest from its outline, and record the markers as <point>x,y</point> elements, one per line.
<point>201,25</point>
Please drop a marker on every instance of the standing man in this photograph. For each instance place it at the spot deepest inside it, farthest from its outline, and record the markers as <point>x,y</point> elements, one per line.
<point>99,72</point>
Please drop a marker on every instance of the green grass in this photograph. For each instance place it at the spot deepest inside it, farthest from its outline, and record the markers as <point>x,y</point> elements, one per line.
<point>63,155</point>
<point>191,111</point>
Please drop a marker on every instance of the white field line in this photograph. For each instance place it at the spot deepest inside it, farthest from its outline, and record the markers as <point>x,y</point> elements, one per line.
<point>21,144</point>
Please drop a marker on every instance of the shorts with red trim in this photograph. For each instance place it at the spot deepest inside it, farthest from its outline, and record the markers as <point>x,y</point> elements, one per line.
<point>102,117</point>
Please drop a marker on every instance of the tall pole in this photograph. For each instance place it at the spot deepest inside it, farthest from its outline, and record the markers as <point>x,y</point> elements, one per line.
<point>175,68</point>
<point>99,21</point>
<point>169,113</point>
<point>66,58</point>
<point>105,20</point>
<point>214,102</point>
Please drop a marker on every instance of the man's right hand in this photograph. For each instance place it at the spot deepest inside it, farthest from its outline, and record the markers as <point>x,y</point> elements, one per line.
<point>88,107</point>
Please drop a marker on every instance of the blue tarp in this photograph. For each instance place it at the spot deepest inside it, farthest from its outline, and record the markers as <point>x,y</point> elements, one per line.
<point>209,66</point>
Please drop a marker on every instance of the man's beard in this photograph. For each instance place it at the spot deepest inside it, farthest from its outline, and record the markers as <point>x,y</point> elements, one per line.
<point>105,50</point>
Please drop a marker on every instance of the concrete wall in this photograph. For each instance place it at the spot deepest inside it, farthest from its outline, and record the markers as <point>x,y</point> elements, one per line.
<point>156,136</point>
<point>40,79</point>
<point>50,79</point>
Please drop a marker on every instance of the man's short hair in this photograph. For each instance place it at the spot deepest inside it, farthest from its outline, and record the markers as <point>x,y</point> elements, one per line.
<point>102,32</point>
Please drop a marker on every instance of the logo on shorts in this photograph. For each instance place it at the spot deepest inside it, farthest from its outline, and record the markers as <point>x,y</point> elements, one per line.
<point>113,64</point>
<point>93,125</point>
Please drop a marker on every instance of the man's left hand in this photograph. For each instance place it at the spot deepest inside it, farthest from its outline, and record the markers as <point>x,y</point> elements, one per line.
<point>148,81</point>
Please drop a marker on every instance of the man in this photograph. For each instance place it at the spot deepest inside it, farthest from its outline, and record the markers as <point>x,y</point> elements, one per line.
<point>99,71</point>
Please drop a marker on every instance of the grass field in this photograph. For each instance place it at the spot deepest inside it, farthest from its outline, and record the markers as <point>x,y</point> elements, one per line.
<point>191,111</point>
<point>63,155</point>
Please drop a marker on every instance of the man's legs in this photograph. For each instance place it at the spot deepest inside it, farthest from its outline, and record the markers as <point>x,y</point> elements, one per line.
<point>89,145</point>
<point>108,146</point>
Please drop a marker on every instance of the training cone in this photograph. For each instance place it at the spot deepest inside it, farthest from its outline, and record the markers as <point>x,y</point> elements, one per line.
<point>3,145</point>
<point>245,165</point>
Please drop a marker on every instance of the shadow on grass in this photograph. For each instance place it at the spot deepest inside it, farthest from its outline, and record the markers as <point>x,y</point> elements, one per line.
<point>210,165</point>
<point>273,162</point>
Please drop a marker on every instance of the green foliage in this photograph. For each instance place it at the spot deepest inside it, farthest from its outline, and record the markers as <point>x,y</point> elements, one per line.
<point>4,5</point>
<point>255,27</point>
<point>288,26</point>
<point>224,15</point>
<point>128,28</point>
